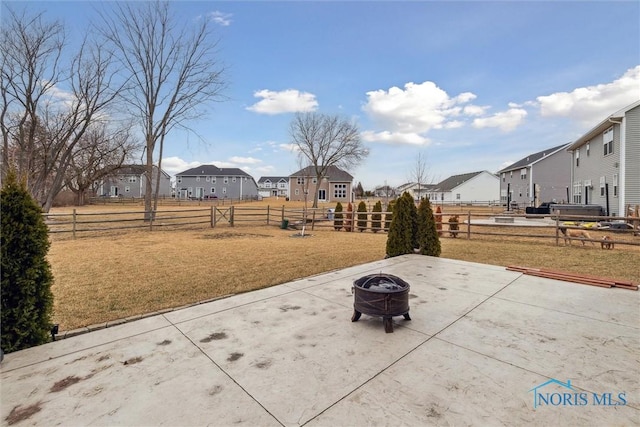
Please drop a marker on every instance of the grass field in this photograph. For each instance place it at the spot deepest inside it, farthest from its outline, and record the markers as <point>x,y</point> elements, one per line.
<point>113,275</point>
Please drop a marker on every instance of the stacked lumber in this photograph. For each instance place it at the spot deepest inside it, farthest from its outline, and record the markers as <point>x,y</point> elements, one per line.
<point>575,278</point>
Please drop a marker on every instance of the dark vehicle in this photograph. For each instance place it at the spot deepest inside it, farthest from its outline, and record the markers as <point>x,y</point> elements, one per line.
<point>210,197</point>
<point>543,209</point>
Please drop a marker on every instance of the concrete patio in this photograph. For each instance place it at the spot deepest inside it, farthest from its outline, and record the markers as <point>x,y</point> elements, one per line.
<point>484,346</point>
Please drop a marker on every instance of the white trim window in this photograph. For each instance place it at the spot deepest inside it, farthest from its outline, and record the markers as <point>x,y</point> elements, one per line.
<point>578,158</point>
<point>603,182</point>
<point>208,179</point>
<point>607,141</point>
<point>179,179</point>
<point>615,185</point>
<point>132,179</point>
<point>127,189</point>
<point>225,180</point>
<point>300,180</point>
<point>339,191</point>
<point>233,179</point>
<point>523,173</point>
<point>197,179</point>
<point>577,192</point>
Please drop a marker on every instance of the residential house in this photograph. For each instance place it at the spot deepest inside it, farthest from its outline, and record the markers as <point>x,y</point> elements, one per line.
<point>335,186</point>
<point>131,181</point>
<point>605,163</point>
<point>547,170</point>
<point>212,181</point>
<point>482,186</point>
<point>273,186</point>
<point>385,191</point>
<point>416,190</point>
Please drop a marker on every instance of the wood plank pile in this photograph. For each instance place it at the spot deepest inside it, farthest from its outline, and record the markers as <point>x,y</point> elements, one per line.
<point>575,278</point>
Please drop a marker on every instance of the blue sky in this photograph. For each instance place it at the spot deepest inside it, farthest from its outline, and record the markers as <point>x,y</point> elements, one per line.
<point>469,85</point>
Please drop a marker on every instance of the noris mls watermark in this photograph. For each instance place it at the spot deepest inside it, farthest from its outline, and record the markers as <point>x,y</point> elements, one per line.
<point>547,394</point>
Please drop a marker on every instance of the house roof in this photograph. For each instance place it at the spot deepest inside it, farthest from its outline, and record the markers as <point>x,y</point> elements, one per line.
<point>533,158</point>
<point>456,180</point>
<point>135,170</point>
<point>334,174</point>
<point>273,179</point>
<point>602,126</point>
<point>212,170</point>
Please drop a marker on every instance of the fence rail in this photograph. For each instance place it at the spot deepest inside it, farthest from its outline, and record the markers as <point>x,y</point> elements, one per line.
<point>468,224</point>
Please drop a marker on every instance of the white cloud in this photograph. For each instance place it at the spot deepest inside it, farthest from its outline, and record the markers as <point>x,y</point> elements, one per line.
<point>591,104</point>
<point>505,120</point>
<point>221,18</point>
<point>245,160</point>
<point>286,101</point>
<point>289,147</point>
<point>474,110</point>
<point>394,138</point>
<point>174,165</point>
<point>264,170</point>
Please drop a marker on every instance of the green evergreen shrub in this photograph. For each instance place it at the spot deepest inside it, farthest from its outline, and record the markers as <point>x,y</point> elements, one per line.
<point>413,218</point>
<point>376,217</point>
<point>388,217</point>
<point>362,217</point>
<point>337,217</point>
<point>428,240</point>
<point>348,221</point>
<point>27,301</point>
<point>400,239</point>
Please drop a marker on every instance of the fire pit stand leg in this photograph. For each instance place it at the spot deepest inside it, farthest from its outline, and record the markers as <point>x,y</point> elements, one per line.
<point>388,324</point>
<point>356,316</point>
<point>406,316</point>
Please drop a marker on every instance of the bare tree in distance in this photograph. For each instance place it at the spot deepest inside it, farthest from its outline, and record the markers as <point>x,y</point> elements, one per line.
<point>48,105</point>
<point>172,72</point>
<point>326,140</point>
<point>419,173</point>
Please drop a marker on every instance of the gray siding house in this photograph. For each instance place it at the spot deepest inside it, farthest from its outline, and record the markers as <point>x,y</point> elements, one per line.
<point>210,181</point>
<point>335,186</point>
<point>273,186</point>
<point>482,186</point>
<point>548,170</point>
<point>131,181</point>
<point>605,163</point>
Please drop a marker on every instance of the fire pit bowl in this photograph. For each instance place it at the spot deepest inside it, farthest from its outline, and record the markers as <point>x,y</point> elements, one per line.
<point>382,295</point>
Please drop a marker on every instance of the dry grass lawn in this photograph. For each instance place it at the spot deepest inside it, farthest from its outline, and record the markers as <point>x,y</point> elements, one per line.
<point>108,277</point>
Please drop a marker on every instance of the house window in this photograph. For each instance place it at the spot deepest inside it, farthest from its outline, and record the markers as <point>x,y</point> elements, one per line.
<point>208,178</point>
<point>132,179</point>
<point>197,179</point>
<point>588,148</point>
<point>226,180</point>
<point>179,179</point>
<point>233,179</point>
<point>267,185</point>
<point>577,192</point>
<point>504,175</point>
<point>224,190</point>
<point>189,191</point>
<point>577,158</point>
<point>602,185</point>
<point>213,179</point>
<point>127,189</point>
<point>300,180</point>
<point>340,191</point>
<point>615,185</point>
<point>511,174</point>
<point>282,185</point>
<point>314,180</point>
<point>523,174</point>
<point>607,141</point>
<point>457,196</point>
<point>297,191</point>
<point>213,190</point>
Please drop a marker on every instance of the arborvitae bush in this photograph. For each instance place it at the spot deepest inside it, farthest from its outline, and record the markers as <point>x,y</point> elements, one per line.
<point>439,220</point>
<point>348,222</point>
<point>400,238</point>
<point>376,217</point>
<point>413,216</point>
<point>27,301</point>
<point>362,217</point>
<point>337,221</point>
<point>428,240</point>
<point>388,217</point>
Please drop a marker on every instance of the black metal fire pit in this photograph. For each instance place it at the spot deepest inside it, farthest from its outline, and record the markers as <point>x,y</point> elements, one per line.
<point>381,295</point>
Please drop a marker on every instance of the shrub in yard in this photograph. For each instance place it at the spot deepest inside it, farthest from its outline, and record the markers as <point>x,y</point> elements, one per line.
<point>428,240</point>
<point>348,221</point>
<point>388,217</point>
<point>376,217</point>
<point>27,301</point>
<point>439,220</point>
<point>413,217</point>
<point>400,239</point>
<point>453,225</point>
<point>337,217</point>
<point>362,217</point>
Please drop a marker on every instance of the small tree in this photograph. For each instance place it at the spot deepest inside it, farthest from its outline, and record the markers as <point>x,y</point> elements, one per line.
<point>376,217</point>
<point>362,217</point>
<point>428,240</point>
<point>337,222</point>
<point>453,225</point>
<point>439,220</point>
<point>348,222</point>
<point>27,301</point>
<point>388,217</point>
<point>400,240</point>
<point>413,218</point>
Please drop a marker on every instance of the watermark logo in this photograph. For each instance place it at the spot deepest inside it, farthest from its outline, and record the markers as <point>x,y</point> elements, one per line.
<point>546,394</point>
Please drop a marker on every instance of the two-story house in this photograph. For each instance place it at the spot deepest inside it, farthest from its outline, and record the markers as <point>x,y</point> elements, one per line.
<point>131,181</point>
<point>209,181</point>
<point>540,177</point>
<point>273,186</point>
<point>335,186</point>
<point>605,163</point>
<point>482,186</point>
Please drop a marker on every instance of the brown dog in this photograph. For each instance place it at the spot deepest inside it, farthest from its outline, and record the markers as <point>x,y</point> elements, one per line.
<point>606,243</point>
<point>575,234</point>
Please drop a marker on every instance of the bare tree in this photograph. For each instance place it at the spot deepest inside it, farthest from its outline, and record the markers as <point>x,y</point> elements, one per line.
<point>172,73</point>
<point>98,154</point>
<point>326,141</point>
<point>420,173</point>
<point>47,108</point>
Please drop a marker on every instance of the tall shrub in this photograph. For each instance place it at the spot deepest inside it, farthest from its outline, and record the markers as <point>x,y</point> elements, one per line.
<point>428,240</point>
<point>27,301</point>
<point>388,217</point>
<point>337,217</point>
<point>376,217</point>
<point>439,220</point>
<point>400,239</point>
<point>362,217</point>
<point>413,218</point>
<point>348,221</point>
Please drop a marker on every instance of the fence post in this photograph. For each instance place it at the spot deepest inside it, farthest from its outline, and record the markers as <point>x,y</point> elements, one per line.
<point>282,216</point>
<point>213,217</point>
<point>74,223</point>
<point>267,214</point>
<point>558,228</point>
<point>231,210</point>
<point>313,219</point>
<point>469,225</point>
